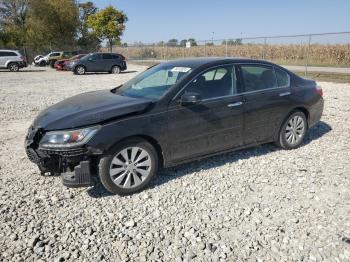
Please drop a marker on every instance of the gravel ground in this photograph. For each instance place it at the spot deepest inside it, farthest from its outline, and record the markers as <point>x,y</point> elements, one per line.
<point>260,204</point>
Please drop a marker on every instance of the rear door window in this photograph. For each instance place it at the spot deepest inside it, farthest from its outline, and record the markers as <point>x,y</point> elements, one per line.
<point>107,56</point>
<point>283,78</point>
<point>258,77</point>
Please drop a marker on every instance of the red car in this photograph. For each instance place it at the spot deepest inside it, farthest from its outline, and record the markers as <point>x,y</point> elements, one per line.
<point>61,65</point>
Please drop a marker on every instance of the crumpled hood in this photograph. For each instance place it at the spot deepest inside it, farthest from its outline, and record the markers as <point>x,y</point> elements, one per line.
<point>88,109</point>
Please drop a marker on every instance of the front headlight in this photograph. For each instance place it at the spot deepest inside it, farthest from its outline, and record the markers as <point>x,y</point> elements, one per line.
<point>68,138</point>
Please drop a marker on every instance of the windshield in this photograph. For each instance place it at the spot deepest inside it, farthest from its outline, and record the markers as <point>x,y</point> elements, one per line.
<point>154,82</point>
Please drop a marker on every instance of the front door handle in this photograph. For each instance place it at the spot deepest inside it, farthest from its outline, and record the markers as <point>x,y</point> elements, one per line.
<point>285,93</point>
<point>235,104</point>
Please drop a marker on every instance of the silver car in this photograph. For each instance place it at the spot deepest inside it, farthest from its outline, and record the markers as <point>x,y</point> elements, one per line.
<point>12,60</point>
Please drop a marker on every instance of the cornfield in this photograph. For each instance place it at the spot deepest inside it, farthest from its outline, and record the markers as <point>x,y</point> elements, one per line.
<point>293,54</point>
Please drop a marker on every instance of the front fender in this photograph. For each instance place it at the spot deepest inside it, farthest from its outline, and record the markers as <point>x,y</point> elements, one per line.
<point>153,126</point>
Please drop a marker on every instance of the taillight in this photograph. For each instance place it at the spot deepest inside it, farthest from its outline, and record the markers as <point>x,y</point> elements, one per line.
<point>23,58</point>
<point>319,90</point>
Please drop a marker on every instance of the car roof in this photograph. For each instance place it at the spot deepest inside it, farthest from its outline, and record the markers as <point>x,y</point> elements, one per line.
<point>212,61</point>
<point>8,50</point>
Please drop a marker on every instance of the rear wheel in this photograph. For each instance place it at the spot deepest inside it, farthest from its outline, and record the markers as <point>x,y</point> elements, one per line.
<point>115,70</point>
<point>80,70</point>
<point>52,63</point>
<point>128,167</point>
<point>13,67</point>
<point>293,131</point>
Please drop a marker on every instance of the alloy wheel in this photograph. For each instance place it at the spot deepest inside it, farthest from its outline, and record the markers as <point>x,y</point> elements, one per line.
<point>130,167</point>
<point>295,130</point>
<point>14,67</point>
<point>80,70</point>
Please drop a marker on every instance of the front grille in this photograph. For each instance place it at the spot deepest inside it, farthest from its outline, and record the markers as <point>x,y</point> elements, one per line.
<point>65,153</point>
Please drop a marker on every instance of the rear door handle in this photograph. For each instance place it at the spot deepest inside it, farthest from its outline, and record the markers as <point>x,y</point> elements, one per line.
<point>235,104</point>
<point>285,93</point>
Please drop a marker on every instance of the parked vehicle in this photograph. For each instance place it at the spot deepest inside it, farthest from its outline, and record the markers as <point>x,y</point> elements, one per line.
<point>12,60</point>
<point>99,62</point>
<point>172,113</point>
<point>37,60</point>
<point>53,57</point>
<point>63,63</point>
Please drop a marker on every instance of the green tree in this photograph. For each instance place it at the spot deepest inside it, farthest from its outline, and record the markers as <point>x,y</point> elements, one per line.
<point>183,42</point>
<point>173,42</point>
<point>109,24</point>
<point>53,24</point>
<point>13,23</point>
<point>237,41</point>
<point>192,41</point>
<point>86,39</point>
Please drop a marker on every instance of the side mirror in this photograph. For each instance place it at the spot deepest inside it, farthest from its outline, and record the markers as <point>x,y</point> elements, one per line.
<point>190,99</point>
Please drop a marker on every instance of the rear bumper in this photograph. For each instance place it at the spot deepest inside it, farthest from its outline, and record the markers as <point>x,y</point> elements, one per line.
<point>123,66</point>
<point>22,64</point>
<point>315,112</point>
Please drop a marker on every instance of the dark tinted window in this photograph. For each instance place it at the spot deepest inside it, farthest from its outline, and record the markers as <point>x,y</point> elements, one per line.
<point>107,56</point>
<point>8,54</point>
<point>55,54</point>
<point>258,77</point>
<point>282,78</point>
<point>94,57</point>
<point>214,83</point>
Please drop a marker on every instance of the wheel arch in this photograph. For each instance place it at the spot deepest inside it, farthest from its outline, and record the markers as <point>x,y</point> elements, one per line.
<point>291,111</point>
<point>11,62</point>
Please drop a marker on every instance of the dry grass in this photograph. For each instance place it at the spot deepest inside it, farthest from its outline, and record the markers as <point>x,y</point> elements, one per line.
<point>319,55</point>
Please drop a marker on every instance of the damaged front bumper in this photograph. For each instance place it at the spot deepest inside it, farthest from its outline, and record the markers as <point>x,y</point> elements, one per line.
<point>76,166</point>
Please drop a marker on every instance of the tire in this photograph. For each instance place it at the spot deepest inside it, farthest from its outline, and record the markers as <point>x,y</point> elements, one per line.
<point>52,63</point>
<point>293,131</point>
<point>42,63</point>
<point>80,70</point>
<point>115,70</point>
<point>125,173</point>
<point>13,67</point>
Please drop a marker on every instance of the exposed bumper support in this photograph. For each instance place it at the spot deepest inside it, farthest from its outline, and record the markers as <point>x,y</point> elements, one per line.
<point>80,177</point>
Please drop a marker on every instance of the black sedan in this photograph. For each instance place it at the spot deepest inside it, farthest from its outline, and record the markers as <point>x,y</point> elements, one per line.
<point>172,113</point>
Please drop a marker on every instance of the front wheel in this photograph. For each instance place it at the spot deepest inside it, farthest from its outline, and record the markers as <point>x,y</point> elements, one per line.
<point>79,70</point>
<point>293,131</point>
<point>128,167</point>
<point>52,63</point>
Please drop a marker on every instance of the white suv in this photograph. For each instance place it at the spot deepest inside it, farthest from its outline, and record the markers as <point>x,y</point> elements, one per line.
<point>12,60</point>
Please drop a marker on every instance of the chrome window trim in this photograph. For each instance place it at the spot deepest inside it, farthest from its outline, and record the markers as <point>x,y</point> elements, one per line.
<point>235,65</point>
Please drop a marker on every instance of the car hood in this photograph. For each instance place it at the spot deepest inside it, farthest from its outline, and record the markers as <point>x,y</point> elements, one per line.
<point>88,109</point>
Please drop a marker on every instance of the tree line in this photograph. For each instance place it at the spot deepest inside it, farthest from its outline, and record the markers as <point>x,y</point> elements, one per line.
<point>39,26</point>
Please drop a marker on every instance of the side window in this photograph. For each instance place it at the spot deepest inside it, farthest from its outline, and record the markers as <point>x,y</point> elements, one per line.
<point>214,83</point>
<point>2,54</point>
<point>257,77</point>
<point>283,78</point>
<point>94,57</point>
<point>107,56</point>
<point>10,54</point>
